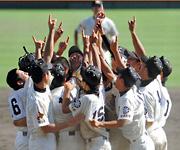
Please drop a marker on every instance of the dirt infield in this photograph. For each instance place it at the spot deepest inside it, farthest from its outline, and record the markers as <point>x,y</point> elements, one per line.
<point>7,130</point>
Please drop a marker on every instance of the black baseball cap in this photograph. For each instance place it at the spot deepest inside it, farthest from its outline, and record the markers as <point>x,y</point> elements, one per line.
<point>74,49</point>
<point>97,3</point>
<point>91,75</point>
<point>167,67</point>
<point>43,66</point>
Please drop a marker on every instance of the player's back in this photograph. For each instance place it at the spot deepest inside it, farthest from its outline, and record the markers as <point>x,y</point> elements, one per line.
<point>136,125</point>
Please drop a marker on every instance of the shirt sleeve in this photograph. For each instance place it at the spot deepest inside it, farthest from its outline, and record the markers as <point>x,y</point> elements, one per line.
<point>113,29</point>
<point>80,27</point>
<point>16,107</point>
<point>125,109</point>
<point>149,105</point>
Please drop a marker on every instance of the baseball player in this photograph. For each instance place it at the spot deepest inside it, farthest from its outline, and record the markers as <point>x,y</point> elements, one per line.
<point>17,103</point>
<point>39,110</point>
<point>152,89</point>
<point>75,59</point>
<point>89,23</point>
<point>71,134</point>
<point>165,107</point>
<point>166,71</point>
<point>92,107</point>
<point>130,112</point>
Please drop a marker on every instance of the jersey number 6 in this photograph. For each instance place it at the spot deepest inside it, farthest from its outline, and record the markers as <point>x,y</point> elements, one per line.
<point>15,107</point>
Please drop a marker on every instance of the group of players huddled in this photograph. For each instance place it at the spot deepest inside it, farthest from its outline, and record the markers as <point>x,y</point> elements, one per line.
<point>85,101</point>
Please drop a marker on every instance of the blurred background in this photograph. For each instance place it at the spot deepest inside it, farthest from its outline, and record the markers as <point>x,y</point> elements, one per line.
<point>158,27</point>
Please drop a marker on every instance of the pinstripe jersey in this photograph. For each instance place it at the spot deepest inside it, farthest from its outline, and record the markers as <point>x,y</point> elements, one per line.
<point>130,107</point>
<point>93,108</point>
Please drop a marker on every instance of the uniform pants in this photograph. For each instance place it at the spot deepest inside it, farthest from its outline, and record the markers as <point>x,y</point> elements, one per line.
<point>22,139</point>
<point>144,142</point>
<point>70,140</point>
<point>98,143</point>
<point>159,138</point>
<point>117,140</point>
<point>42,142</point>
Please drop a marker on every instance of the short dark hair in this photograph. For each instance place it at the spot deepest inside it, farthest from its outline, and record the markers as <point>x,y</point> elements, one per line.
<point>167,67</point>
<point>39,69</point>
<point>12,78</point>
<point>129,75</point>
<point>154,66</point>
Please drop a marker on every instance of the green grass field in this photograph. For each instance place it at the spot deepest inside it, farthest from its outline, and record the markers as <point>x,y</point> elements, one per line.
<point>158,29</point>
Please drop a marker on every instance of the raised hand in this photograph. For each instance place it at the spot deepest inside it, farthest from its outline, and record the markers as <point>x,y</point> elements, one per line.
<point>132,25</point>
<point>51,23</point>
<point>85,40</point>
<point>68,86</point>
<point>100,15</point>
<point>94,37</point>
<point>62,46</point>
<point>39,44</point>
<point>60,30</point>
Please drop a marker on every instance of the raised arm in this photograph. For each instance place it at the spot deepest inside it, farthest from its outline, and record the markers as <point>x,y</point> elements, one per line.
<point>139,48</point>
<point>58,33</point>
<point>49,49</point>
<point>62,46</point>
<point>105,67</point>
<point>87,60</point>
<point>95,50</point>
<point>39,47</point>
<point>116,53</point>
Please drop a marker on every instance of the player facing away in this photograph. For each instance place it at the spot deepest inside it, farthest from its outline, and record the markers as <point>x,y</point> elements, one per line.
<point>17,104</point>
<point>39,111</point>
<point>70,134</point>
<point>92,107</point>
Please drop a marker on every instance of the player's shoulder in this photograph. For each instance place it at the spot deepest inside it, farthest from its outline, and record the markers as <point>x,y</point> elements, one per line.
<point>16,94</point>
<point>86,20</point>
<point>57,91</point>
<point>91,98</point>
<point>108,20</point>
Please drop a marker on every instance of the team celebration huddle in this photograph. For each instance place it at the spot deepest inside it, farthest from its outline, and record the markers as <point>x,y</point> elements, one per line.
<point>103,97</point>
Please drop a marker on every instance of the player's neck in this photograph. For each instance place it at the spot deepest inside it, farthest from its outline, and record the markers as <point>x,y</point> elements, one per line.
<point>40,87</point>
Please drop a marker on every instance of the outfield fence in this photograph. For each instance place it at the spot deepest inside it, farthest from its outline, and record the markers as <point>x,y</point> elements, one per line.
<point>45,4</point>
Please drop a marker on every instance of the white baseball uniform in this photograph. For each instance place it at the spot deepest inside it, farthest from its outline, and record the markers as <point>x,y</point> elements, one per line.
<point>130,107</point>
<point>153,99</point>
<point>107,25</point>
<point>70,134</point>
<point>167,106</point>
<point>116,138</point>
<point>17,106</point>
<point>40,113</point>
<point>93,108</point>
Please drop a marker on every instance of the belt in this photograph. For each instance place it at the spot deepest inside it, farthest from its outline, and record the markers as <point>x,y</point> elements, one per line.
<point>94,138</point>
<point>24,133</point>
<point>71,133</point>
